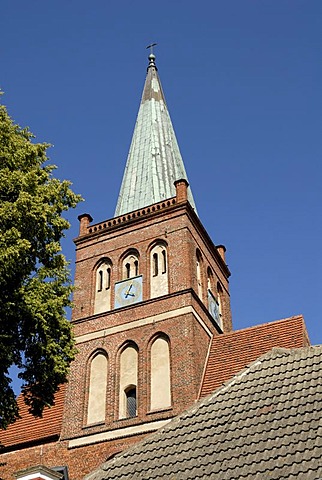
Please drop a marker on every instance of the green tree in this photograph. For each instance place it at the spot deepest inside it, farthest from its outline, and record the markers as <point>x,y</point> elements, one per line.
<point>35,284</point>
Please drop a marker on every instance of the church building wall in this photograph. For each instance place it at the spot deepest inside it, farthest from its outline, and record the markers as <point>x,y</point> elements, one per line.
<point>183,332</point>
<point>80,461</point>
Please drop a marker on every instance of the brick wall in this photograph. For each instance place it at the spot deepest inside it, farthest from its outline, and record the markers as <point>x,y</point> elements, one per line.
<point>177,225</point>
<point>189,341</point>
<point>80,461</point>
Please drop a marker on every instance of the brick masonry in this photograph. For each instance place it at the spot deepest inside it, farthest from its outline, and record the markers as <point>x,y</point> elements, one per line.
<point>189,332</point>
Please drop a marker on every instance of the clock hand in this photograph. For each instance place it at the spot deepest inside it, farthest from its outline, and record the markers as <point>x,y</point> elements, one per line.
<point>128,291</point>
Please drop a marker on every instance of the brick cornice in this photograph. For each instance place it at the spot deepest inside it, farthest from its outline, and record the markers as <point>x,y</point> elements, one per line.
<point>152,212</point>
<point>149,301</point>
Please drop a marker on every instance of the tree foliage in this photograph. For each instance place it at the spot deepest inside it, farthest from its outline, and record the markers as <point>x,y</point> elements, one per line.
<point>35,283</point>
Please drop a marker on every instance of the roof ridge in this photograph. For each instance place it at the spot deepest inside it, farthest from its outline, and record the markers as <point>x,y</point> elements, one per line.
<point>272,322</point>
<point>272,353</point>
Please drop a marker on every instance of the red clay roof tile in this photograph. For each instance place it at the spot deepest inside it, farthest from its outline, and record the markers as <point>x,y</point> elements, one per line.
<point>29,429</point>
<point>231,352</point>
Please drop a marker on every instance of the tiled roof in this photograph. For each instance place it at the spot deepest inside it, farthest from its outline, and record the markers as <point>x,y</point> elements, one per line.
<point>233,351</point>
<point>229,353</point>
<point>31,430</point>
<point>263,424</point>
<point>154,161</point>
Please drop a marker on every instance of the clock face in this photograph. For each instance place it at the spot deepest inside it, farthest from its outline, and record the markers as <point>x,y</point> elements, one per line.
<point>214,308</point>
<point>128,291</point>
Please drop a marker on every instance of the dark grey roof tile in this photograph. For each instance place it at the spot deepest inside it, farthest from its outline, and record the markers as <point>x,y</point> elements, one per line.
<point>264,424</point>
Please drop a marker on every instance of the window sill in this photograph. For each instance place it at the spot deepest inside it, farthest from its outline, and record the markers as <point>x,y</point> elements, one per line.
<point>160,410</point>
<point>93,425</point>
<point>127,421</point>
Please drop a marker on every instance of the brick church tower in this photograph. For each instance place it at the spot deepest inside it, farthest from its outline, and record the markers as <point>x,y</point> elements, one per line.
<point>151,293</point>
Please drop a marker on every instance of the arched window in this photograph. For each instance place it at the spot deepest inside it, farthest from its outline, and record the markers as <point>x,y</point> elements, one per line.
<point>131,409</point>
<point>97,385</point>
<point>164,260</point>
<point>128,382</point>
<point>159,274</point>
<point>108,278</point>
<point>155,265</point>
<point>160,396</point>
<point>210,280</point>
<point>220,298</point>
<point>100,280</point>
<point>130,266</point>
<point>103,286</point>
<point>199,273</point>
<point>128,270</point>
<point>136,267</point>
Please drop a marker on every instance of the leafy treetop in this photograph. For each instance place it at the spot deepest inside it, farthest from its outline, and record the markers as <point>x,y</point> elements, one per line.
<point>35,282</point>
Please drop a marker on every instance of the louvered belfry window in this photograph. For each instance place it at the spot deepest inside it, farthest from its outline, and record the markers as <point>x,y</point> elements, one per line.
<point>131,402</point>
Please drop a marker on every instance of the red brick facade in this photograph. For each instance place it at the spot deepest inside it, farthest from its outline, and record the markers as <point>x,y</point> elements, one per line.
<point>179,315</point>
<point>80,461</point>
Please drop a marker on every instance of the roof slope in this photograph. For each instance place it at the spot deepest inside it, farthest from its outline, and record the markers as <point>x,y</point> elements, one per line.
<point>229,353</point>
<point>232,351</point>
<point>30,430</point>
<point>154,161</point>
<point>265,423</point>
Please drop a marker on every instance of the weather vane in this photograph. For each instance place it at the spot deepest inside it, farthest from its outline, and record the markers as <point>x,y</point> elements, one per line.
<point>151,47</point>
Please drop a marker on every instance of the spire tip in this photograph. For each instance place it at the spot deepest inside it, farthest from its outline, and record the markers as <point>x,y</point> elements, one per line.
<point>151,56</point>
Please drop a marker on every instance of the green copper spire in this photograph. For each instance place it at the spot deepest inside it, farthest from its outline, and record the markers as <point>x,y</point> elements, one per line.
<point>154,161</point>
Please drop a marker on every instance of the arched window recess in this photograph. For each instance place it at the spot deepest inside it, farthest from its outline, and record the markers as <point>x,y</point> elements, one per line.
<point>130,265</point>
<point>128,382</point>
<point>97,385</point>
<point>103,276</point>
<point>158,269</point>
<point>160,381</point>
<point>199,265</point>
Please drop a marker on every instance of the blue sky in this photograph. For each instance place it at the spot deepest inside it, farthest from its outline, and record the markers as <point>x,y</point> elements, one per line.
<point>242,81</point>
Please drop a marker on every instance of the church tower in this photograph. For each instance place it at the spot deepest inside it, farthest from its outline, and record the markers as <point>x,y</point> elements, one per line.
<point>151,293</point>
